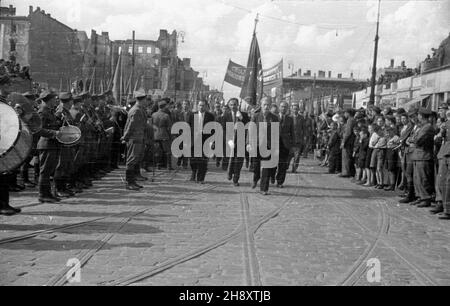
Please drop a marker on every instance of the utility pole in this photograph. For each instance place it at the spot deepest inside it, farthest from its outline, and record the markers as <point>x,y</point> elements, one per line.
<point>133,58</point>
<point>375,57</point>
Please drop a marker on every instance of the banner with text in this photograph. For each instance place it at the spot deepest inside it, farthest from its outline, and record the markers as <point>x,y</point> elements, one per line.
<point>235,74</point>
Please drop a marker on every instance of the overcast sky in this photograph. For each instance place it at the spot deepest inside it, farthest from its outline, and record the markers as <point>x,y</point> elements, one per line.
<point>314,35</point>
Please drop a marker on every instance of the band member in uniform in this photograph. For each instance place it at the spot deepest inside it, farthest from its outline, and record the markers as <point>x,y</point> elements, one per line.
<point>286,137</point>
<point>199,164</point>
<point>264,174</point>
<point>162,125</point>
<point>66,156</point>
<point>134,136</point>
<point>48,146</point>
<point>235,162</point>
<point>5,208</point>
<point>299,136</point>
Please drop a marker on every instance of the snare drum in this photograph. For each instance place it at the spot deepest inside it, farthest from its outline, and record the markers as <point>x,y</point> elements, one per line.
<point>69,135</point>
<point>16,140</point>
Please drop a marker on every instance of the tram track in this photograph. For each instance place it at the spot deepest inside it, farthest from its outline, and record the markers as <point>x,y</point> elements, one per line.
<point>63,227</point>
<point>253,275</point>
<point>60,278</point>
<point>381,236</point>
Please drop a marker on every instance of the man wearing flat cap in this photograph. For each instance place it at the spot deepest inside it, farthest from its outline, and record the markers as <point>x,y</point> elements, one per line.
<point>422,157</point>
<point>66,156</point>
<point>348,144</point>
<point>162,124</point>
<point>134,137</point>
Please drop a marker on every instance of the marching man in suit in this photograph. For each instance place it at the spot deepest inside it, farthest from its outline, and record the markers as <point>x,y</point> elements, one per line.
<point>236,162</point>
<point>259,173</point>
<point>199,164</point>
<point>299,136</point>
<point>287,134</point>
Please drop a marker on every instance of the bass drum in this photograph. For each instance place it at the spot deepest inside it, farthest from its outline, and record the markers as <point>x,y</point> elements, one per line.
<point>16,140</point>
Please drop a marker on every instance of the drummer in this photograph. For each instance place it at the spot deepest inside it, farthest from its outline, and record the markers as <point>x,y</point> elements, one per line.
<point>64,167</point>
<point>48,146</point>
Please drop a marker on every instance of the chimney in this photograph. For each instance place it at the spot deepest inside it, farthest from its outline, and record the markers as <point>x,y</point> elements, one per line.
<point>38,9</point>
<point>403,64</point>
<point>329,74</point>
<point>322,74</point>
<point>351,75</point>
<point>30,9</point>
<point>392,63</point>
<point>299,73</point>
<point>340,76</point>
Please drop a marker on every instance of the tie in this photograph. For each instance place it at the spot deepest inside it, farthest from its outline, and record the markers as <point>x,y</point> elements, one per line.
<point>234,118</point>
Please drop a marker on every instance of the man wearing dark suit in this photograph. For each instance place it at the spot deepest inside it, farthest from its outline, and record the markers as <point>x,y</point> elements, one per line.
<point>48,146</point>
<point>287,134</point>
<point>235,163</point>
<point>134,136</point>
<point>299,137</point>
<point>66,156</point>
<point>348,141</point>
<point>162,125</point>
<point>265,174</point>
<point>199,164</point>
<point>423,159</point>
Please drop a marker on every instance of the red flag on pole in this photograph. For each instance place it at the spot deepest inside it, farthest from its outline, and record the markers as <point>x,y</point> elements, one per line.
<point>253,73</point>
<point>116,81</point>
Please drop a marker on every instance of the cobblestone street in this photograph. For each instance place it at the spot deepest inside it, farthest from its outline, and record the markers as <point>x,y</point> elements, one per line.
<point>318,230</point>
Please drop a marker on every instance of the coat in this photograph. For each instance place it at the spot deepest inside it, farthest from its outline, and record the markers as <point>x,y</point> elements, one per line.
<point>299,131</point>
<point>136,124</point>
<point>50,127</point>
<point>287,132</point>
<point>424,143</point>
<point>162,125</point>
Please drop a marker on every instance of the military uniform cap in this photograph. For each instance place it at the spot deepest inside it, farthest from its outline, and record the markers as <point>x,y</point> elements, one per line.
<point>401,111</point>
<point>425,111</point>
<point>65,96</point>
<point>443,106</point>
<point>162,103</point>
<point>46,95</point>
<point>350,111</point>
<point>140,94</point>
<point>77,98</point>
<point>29,95</point>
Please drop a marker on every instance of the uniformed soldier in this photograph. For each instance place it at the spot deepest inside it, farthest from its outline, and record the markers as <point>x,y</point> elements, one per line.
<point>134,136</point>
<point>441,178</point>
<point>48,147</point>
<point>423,159</point>
<point>162,125</point>
<point>407,138</point>
<point>79,178</point>
<point>66,156</point>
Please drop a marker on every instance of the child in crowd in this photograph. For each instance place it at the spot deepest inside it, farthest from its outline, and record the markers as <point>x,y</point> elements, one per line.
<point>371,161</point>
<point>393,142</point>
<point>363,151</point>
<point>356,144</point>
